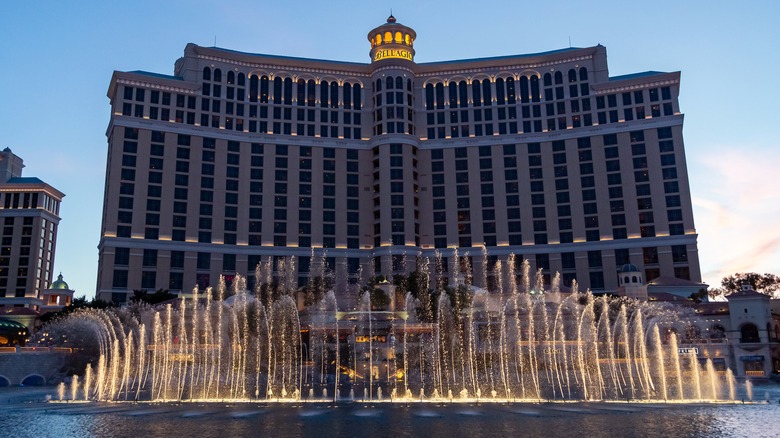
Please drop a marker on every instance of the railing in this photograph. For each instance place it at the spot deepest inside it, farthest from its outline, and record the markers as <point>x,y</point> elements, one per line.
<point>7,350</point>
<point>703,341</point>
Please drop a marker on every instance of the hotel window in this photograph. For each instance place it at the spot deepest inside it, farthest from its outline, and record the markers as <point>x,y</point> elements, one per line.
<point>594,259</point>
<point>674,215</point>
<point>679,254</point>
<point>120,279</point>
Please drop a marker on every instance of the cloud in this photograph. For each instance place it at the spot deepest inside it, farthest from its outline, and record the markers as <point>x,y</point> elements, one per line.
<point>736,206</point>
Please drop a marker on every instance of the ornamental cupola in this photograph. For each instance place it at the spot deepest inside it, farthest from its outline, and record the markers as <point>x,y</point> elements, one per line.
<point>392,40</point>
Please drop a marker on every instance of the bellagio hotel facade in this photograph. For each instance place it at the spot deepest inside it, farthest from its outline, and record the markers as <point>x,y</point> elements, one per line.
<point>353,168</point>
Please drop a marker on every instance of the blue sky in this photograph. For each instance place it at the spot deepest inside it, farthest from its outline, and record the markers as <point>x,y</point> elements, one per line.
<point>57,59</point>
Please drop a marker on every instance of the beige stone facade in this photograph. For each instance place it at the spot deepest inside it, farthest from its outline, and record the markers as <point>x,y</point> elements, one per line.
<point>29,213</point>
<point>240,158</point>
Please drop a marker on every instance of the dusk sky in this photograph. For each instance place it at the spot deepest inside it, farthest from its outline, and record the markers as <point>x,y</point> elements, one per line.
<point>57,59</point>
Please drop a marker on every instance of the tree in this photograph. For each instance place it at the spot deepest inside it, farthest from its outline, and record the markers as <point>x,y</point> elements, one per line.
<point>379,299</point>
<point>77,303</point>
<point>764,283</point>
<point>699,295</point>
<point>314,290</point>
<point>157,297</point>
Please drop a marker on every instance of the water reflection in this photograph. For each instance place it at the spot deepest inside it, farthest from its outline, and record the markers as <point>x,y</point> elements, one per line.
<point>434,420</point>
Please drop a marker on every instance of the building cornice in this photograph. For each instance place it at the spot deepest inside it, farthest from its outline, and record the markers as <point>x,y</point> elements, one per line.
<point>268,250</point>
<point>493,66</point>
<point>564,134</point>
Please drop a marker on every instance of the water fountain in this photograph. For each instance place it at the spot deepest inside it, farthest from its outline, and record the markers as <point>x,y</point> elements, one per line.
<point>452,342</point>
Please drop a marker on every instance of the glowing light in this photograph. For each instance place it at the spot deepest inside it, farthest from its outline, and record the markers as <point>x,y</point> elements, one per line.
<point>393,54</point>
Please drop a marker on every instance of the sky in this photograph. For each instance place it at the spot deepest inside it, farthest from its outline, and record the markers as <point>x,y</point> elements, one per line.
<point>56,61</point>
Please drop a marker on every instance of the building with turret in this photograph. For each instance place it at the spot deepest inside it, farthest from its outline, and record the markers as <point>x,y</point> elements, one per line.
<point>29,211</point>
<point>357,168</point>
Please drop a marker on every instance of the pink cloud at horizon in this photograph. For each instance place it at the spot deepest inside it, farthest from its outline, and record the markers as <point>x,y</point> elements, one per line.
<point>736,201</point>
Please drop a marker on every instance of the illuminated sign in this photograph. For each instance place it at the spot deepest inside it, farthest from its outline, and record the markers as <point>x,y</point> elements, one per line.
<point>688,350</point>
<point>392,53</point>
<point>375,338</point>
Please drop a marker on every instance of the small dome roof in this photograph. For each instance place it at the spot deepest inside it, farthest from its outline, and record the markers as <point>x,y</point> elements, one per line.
<point>628,267</point>
<point>391,19</point>
<point>59,283</point>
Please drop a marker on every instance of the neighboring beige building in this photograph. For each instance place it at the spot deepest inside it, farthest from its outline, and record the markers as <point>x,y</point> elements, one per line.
<point>239,158</point>
<point>742,334</point>
<point>29,211</point>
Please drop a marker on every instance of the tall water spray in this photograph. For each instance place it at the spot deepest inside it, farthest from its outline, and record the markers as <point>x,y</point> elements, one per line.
<point>449,341</point>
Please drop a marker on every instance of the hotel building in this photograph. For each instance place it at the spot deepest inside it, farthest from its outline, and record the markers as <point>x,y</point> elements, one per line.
<point>238,158</point>
<point>29,211</point>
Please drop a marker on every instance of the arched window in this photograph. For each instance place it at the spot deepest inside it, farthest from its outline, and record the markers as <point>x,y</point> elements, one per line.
<point>347,96</point>
<point>463,94</point>
<point>334,94</point>
<point>749,333</point>
<point>572,75</point>
<point>253,89</point>
<point>634,279</point>
<point>453,94</point>
<point>324,87</point>
<point>206,74</point>
<point>399,83</point>
<point>301,91</point>
<point>625,279</point>
<point>264,89</point>
<point>409,85</point>
<point>500,99</point>
<point>217,75</point>
<point>408,39</point>
<point>388,37</point>
<point>356,96</point>
<point>524,94</point>
<point>476,93</point>
<point>288,91</point>
<point>278,90</point>
<point>583,74</point>
<point>510,90</point>
<point>231,77</point>
<point>311,93</point>
<point>558,77</point>
<point>389,82</point>
<point>535,95</point>
<point>241,82</point>
<point>439,96</point>
<point>429,97</point>
<point>547,80</point>
<point>487,95</point>
<point>399,37</point>
<point>378,39</point>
